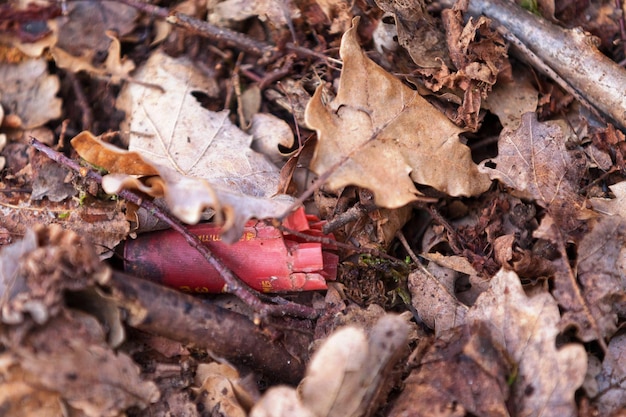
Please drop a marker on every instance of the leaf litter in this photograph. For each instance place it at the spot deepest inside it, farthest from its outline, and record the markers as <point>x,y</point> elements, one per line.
<point>501,195</point>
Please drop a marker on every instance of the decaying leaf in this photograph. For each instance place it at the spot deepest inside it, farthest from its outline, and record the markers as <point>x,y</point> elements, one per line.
<point>29,92</point>
<point>612,379</point>
<point>339,14</point>
<point>612,207</point>
<point>567,291</point>
<point>116,67</point>
<point>347,376</point>
<point>52,351</point>
<point>31,282</point>
<point>434,299</point>
<point>418,32</point>
<point>219,389</point>
<point>381,135</point>
<point>84,28</point>
<point>50,180</point>
<point>601,271</point>
<point>203,160</point>
<point>70,353</point>
<point>479,54</point>
<point>464,372</point>
<point>527,326</point>
<point>277,12</point>
<point>535,162</point>
<point>510,99</point>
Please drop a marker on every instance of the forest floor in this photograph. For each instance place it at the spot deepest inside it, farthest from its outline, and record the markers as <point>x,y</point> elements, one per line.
<point>312,208</point>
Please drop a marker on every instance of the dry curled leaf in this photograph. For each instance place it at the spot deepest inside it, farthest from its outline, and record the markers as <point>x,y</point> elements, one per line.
<point>434,299</point>
<point>381,135</point>
<point>417,32</point>
<point>347,376</point>
<point>527,326</point>
<point>115,66</point>
<point>202,159</point>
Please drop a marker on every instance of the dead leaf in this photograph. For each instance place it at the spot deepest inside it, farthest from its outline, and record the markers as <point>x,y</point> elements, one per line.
<point>611,379</point>
<point>20,399</point>
<point>280,402</point>
<point>566,290</point>
<point>50,180</point>
<point>345,375</point>
<point>534,161</point>
<point>57,358</point>
<point>612,207</point>
<point>31,282</point>
<point>271,136</point>
<point>547,377</point>
<point>85,26</point>
<point>109,157</point>
<point>601,270</point>
<point>279,12</point>
<point>339,13</point>
<point>418,32</point>
<point>55,350</point>
<point>434,299</point>
<point>510,99</point>
<point>384,131</point>
<point>29,92</point>
<point>464,372</point>
<point>203,160</point>
<point>218,388</point>
<point>115,66</point>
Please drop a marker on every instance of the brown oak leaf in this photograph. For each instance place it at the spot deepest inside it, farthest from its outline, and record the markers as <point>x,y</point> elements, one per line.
<point>381,135</point>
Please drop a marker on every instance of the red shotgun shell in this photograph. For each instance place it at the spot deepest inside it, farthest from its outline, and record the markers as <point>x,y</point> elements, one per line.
<point>264,258</point>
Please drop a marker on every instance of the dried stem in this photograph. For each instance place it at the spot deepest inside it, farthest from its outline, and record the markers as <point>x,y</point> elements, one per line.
<point>233,283</point>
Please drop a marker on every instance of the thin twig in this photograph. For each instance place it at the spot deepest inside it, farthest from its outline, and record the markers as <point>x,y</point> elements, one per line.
<point>233,283</point>
<point>456,239</point>
<point>407,247</point>
<point>231,38</point>
<point>326,241</point>
<point>354,213</point>
<point>203,28</point>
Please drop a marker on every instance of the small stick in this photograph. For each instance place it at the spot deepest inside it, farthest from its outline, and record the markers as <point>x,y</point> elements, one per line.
<point>407,247</point>
<point>456,238</point>
<point>200,27</point>
<point>233,283</point>
<point>354,213</point>
<point>231,38</point>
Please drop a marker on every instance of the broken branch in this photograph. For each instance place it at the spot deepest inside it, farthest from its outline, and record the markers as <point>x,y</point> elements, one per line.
<point>183,318</point>
<point>569,52</point>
